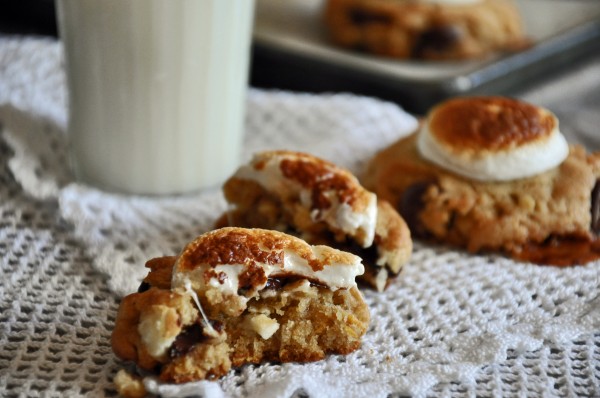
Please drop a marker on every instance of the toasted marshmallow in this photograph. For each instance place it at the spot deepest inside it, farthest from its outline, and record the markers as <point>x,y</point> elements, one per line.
<point>157,330</point>
<point>332,195</point>
<point>492,138</point>
<point>239,262</point>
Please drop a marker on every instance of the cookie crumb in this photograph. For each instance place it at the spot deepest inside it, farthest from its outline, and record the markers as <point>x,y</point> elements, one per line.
<point>128,385</point>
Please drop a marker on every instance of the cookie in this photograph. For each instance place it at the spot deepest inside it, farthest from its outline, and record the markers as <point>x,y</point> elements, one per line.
<point>300,194</point>
<point>425,29</point>
<point>494,174</point>
<point>236,296</point>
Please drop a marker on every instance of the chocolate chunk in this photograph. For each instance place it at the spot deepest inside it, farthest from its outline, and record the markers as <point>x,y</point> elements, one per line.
<point>361,17</point>
<point>279,282</point>
<point>410,207</point>
<point>437,39</point>
<point>217,325</point>
<point>143,287</point>
<point>369,254</point>
<point>189,337</point>
<point>274,283</point>
<point>595,206</point>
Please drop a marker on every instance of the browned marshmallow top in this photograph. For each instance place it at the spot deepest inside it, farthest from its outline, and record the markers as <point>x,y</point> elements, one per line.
<point>238,258</point>
<point>328,193</point>
<point>317,175</point>
<point>492,138</point>
<point>232,245</point>
<point>489,123</point>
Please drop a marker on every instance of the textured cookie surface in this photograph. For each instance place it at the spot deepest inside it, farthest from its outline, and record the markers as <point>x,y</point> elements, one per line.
<point>509,216</point>
<point>425,29</point>
<point>236,296</point>
<point>323,204</point>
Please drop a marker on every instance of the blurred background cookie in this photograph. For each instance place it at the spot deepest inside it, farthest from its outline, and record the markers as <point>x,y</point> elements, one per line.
<point>426,29</point>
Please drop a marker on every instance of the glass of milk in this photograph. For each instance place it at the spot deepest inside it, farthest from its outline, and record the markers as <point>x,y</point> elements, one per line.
<point>157,91</point>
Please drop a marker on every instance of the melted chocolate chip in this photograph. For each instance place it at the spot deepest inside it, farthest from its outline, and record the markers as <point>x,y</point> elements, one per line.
<point>595,225</point>
<point>410,207</point>
<point>279,282</point>
<point>192,335</point>
<point>217,325</point>
<point>144,286</point>
<point>369,254</point>
<point>437,39</point>
<point>184,342</point>
<point>157,368</point>
<point>274,283</point>
<point>361,17</point>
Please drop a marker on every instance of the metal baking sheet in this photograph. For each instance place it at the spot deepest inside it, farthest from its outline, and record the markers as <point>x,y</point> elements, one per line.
<point>561,31</point>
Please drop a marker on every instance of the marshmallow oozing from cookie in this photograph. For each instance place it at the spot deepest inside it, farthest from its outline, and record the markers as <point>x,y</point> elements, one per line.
<point>239,263</point>
<point>330,194</point>
<point>492,138</point>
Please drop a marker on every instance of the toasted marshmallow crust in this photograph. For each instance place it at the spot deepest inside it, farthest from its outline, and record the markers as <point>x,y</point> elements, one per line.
<point>321,203</point>
<point>239,262</point>
<point>492,138</point>
<point>331,194</point>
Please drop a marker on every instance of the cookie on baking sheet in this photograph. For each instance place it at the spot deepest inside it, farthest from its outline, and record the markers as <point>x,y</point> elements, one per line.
<point>309,197</point>
<point>426,29</point>
<point>236,296</point>
<point>493,173</point>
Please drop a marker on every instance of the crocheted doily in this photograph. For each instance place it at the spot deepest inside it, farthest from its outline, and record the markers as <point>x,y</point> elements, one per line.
<point>453,324</point>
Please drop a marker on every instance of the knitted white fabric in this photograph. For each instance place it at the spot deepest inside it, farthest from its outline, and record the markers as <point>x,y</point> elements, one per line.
<point>453,324</point>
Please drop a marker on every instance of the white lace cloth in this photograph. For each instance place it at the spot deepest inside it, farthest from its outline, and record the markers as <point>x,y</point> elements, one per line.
<point>453,324</point>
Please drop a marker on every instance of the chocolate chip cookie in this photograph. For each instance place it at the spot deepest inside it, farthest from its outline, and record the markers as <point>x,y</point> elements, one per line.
<point>236,296</point>
<point>493,173</point>
<point>323,204</point>
<point>426,29</point>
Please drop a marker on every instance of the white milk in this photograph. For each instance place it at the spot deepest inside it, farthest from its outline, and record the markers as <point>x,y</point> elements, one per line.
<point>157,90</point>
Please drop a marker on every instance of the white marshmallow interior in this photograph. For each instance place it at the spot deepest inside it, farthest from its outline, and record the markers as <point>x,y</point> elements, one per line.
<point>339,215</point>
<point>335,276</point>
<point>503,165</point>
